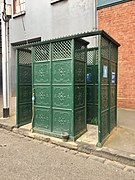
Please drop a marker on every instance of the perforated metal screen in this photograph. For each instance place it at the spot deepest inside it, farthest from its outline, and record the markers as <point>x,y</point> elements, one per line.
<point>108,88</point>
<point>24,90</point>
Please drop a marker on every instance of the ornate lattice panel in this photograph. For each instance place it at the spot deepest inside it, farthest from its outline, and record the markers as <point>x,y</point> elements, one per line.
<point>42,119</point>
<point>61,50</point>
<point>24,57</point>
<point>61,72</point>
<point>42,52</point>
<point>62,97</point>
<point>41,73</point>
<point>42,95</point>
<point>62,121</point>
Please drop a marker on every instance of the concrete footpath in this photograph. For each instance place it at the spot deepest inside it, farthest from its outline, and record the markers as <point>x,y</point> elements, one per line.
<point>119,147</point>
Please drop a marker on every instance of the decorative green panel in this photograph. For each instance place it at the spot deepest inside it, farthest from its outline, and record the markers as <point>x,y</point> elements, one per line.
<point>25,93</point>
<point>79,96</point>
<point>41,73</point>
<point>62,121</point>
<point>80,123</point>
<point>62,96</point>
<point>25,74</point>
<point>42,118</point>
<point>79,72</point>
<point>42,95</point>
<point>24,113</point>
<point>61,72</point>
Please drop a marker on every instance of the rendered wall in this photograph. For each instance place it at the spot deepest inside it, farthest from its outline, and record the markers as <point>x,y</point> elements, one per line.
<point>50,21</point>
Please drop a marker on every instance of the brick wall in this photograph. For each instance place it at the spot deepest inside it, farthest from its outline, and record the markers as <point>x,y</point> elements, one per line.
<point>119,22</point>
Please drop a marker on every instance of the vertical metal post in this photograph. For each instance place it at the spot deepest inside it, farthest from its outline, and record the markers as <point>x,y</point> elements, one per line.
<point>109,87</point>
<point>99,93</point>
<point>5,75</point>
<point>73,86</point>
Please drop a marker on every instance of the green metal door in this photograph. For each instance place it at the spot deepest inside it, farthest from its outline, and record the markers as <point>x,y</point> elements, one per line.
<point>24,87</point>
<point>42,87</point>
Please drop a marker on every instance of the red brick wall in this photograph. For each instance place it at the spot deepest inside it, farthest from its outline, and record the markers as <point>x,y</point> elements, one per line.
<point>119,22</point>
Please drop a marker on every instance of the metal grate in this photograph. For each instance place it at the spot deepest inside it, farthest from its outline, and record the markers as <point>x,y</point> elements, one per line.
<point>113,52</point>
<point>42,52</point>
<point>25,57</point>
<point>104,48</point>
<point>96,54</point>
<point>104,124</point>
<point>112,118</point>
<point>90,57</point>
<point>80,51</point>
<point>104,98</point>
<point>61,50</point>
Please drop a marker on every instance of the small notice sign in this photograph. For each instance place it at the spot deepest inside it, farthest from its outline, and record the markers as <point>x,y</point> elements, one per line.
<point>113,77</point>
<point>105,71</point>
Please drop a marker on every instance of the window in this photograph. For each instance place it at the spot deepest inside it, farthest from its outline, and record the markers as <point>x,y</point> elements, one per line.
<point>19,6</point>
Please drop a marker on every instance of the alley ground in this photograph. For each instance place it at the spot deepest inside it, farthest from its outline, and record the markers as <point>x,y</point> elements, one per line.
<point>23,158</point>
